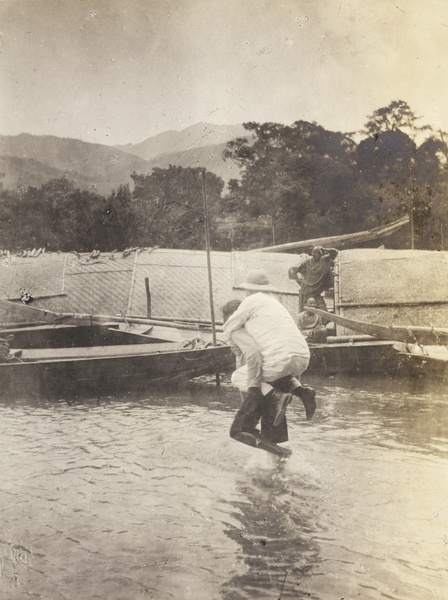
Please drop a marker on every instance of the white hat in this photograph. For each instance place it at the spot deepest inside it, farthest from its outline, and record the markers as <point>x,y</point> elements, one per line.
<point>257,280</point>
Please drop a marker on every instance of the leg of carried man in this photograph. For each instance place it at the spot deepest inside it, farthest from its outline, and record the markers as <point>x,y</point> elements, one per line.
<point>285,377</point>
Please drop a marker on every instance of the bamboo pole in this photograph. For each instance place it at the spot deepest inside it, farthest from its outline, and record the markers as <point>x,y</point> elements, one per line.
<point>53,318</point>
<point>183,320</point>
<point>340,241</point>
<point>148,298</point>
<point>209,266</point>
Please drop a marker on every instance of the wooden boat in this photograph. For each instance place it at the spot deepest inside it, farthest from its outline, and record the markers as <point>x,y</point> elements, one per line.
<point>414,351</point>
<point>429,362</point>
<point>102,369</point>
<point>54,359</point>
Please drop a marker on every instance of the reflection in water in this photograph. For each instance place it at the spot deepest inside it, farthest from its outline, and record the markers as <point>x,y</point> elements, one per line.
<point>145,495</point>
<point>277,525</point>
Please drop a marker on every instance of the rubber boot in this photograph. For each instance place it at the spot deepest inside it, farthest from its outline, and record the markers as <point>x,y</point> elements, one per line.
<point>280,402</point>
<point>256,441</point>
<point>306,394</point>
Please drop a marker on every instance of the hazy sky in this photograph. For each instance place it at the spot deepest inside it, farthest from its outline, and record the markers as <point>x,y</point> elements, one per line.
<point>120,71</point>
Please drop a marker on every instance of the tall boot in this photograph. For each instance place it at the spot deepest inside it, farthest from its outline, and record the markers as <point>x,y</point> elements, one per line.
<point>257,441</point>
<point>293,386</point>
<point>280,403</point>
<point>307,395</point>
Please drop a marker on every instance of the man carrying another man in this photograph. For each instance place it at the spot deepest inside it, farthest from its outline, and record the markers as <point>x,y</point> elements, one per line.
<point>276,355</point>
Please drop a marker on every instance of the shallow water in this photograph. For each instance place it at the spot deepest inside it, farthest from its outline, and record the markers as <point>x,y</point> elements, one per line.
<point>146,496</point>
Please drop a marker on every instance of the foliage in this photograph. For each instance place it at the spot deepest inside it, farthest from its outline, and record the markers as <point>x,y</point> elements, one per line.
<point>169,206</point>
<point>396,116</point>
<point>403,177</point>
<point>297,182</point>
<point>55,216</point>
<point>301,177</point>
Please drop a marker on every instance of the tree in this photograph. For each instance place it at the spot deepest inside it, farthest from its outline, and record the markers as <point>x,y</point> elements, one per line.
<point>9,208</point>
<point>297,176</point>
<point>56,216</point>
<point>169,206</point>
<point>115,220</point>
<point>396,116</point>
<point>402,176</point>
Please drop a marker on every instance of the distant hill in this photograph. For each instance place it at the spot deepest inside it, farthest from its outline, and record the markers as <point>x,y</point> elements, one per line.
<point>90,166</point>
<point>192,138</point>
<point>17,172</point>
<point>30,160</point>
<point>209,157</point>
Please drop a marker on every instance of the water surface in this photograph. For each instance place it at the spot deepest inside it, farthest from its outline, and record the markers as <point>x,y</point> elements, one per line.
<point>146,496</point>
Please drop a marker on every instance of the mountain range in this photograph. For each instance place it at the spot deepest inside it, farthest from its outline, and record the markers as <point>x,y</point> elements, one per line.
<point>31,160</point>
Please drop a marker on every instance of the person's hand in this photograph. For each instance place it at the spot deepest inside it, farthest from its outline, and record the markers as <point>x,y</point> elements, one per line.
<point>235,349</point>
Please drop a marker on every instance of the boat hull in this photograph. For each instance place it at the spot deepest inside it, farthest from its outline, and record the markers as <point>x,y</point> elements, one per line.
<point>68,377</point>
<point>422,366</point>
<point>74,361</point>
<point>376,357</point>
<point>354,358</point>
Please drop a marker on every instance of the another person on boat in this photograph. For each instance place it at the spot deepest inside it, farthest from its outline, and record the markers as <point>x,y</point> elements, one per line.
<point>262,328</point>
<point>311,325</point>
<point>315,276</point>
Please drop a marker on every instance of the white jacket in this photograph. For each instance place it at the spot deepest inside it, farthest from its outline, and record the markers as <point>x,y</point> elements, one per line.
<point>271,326</point>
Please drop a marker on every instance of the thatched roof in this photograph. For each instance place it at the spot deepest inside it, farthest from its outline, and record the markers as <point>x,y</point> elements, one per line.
<point>115,283</point>
<point>394,287</point>
<point>401,287</point>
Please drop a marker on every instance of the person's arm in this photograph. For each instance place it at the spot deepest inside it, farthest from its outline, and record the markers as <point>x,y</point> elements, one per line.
<point>236,320</point>
<point>300,319</point>
<point>332,252</point>
<point>293,271</point>
<point>319,323</point>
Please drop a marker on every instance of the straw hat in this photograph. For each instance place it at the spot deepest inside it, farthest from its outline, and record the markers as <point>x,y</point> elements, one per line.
<point>257,280</point>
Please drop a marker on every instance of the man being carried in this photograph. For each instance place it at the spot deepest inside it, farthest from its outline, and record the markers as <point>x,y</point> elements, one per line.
<point>276,354</point>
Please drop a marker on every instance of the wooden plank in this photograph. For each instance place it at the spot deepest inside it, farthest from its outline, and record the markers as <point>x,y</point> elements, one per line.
<point>10,311</point>
<point>149,331</point>
<point>95,352</point>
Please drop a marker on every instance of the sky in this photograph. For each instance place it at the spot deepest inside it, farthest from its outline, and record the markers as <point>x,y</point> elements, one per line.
<point>121,71</point>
